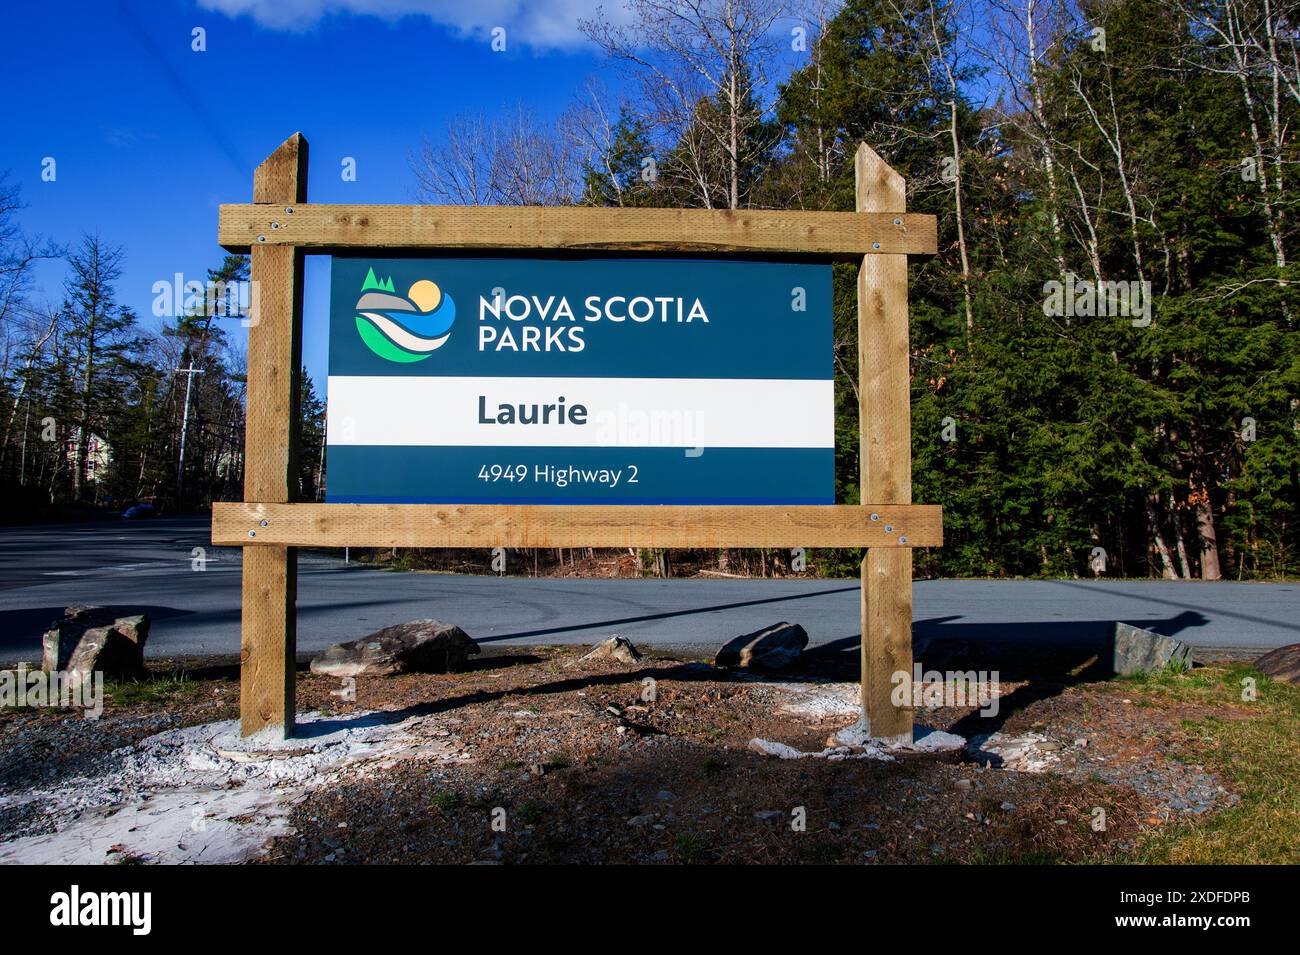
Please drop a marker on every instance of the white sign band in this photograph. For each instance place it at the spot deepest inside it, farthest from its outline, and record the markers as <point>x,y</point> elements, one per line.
<point>594,412</point>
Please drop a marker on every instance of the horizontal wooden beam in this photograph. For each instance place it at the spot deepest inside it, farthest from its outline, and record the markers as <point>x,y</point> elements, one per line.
<point>530,525</point>
<point>338,228</point>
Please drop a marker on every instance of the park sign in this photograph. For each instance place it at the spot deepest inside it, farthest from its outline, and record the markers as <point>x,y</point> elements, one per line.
<point>530,380</point>
<point>712,377</point>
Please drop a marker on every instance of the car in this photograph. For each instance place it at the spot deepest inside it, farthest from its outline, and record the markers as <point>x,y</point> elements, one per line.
<point>136,511</point>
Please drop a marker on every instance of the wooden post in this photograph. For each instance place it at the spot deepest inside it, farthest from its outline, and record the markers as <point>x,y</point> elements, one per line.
<point>885,422</point>
<point>269,632</point>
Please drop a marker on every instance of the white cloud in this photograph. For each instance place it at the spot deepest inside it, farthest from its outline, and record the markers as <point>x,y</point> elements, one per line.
<point>541,24</point>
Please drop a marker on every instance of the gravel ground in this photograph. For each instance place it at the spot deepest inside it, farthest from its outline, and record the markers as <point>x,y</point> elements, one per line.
<point>535,757</point>
<point>575,766</point>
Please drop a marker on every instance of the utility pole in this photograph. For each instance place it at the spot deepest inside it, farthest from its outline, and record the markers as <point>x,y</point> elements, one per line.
<point>189,373</point>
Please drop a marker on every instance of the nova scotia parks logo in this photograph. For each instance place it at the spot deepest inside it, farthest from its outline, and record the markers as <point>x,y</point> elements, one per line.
<point>404,328</point>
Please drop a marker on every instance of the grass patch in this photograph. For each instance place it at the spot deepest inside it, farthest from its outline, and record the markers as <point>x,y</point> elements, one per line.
<point>1033,856</point>
<point>152,689</point>
<point>1259,756</point>
<point>558,760</point>
<point>691,847</point>
<point>529,813</point>
<point>445,800</point>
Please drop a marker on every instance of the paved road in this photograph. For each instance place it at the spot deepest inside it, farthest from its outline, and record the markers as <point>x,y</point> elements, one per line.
<point>146,566</point>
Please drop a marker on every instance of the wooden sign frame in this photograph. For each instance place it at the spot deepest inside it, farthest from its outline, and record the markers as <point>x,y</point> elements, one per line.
<point>279,227</point>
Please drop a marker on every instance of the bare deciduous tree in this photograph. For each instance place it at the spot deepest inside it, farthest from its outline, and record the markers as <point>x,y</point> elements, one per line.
<point>511,161</point>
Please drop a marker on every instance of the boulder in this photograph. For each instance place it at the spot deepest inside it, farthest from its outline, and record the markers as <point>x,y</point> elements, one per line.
<point>1281,664</point>
<point>87,639</point>
<point>619,649</point>
<point>1141,651</point>
<point>420,646</point>
<point>773,648</point>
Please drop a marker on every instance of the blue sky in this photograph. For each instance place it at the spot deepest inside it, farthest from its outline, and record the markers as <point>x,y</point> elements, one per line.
<point>150,136</point>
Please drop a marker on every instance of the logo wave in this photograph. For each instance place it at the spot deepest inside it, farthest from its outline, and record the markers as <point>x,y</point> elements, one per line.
<point>404,328</point>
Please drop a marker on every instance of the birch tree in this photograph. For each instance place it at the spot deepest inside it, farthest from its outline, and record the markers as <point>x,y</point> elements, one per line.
<point>700,67</point>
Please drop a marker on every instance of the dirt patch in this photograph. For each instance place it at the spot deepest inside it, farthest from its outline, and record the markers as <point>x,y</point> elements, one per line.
<point>580,767</point>
<point>537,757</point>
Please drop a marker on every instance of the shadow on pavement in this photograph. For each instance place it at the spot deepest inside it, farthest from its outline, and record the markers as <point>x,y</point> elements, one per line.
<point>712,608</point>
<point>1045,657</point>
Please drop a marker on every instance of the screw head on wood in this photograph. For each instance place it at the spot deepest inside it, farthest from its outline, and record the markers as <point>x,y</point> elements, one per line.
<point>875,517</point>
<point>902,539</point>
<point>275,225</point>
<point>875,245</point>
<point>897,221</point>
<point>265,522</point>
<point>261,238</point>
<point>252,533</point>
<point>288,210</point>
<point>889,528</point>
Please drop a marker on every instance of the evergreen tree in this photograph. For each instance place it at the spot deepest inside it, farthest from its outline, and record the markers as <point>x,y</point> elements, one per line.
<point>103,336</point>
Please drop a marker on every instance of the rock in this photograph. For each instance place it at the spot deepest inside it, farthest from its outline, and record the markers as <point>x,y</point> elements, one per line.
<point>963,784</point>
<point>769,815</point>
<point>769,747</point>
<point>774,648</point>
<point>855,735</point>
<point>615,648</point>
<point>922,739</point>
<point>928,740</point>
<point>1141,651</point>
<point>420,646</point>
<point>1024,754</point>
<point>1281,664</point>
<point>88,639</point>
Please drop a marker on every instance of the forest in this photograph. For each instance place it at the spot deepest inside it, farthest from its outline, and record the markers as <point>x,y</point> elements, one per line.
<point>1105,354</point>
